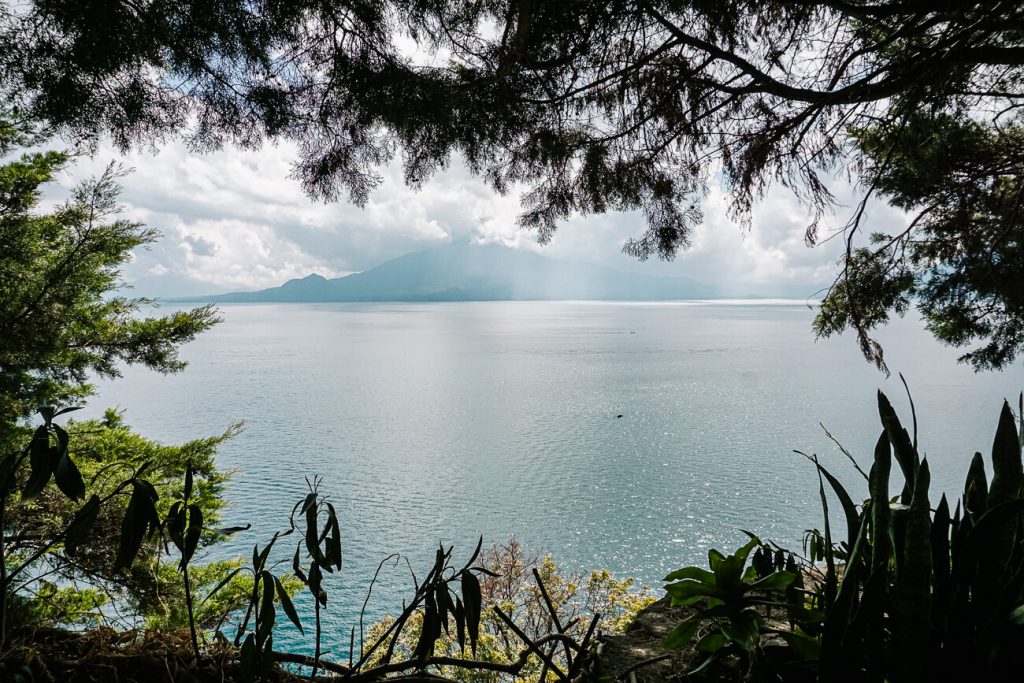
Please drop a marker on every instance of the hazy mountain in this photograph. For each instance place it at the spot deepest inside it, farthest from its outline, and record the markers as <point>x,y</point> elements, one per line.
<point>469,272</point>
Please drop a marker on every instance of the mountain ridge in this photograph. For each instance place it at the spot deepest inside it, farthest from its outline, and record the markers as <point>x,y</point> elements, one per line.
<point>461,271</point>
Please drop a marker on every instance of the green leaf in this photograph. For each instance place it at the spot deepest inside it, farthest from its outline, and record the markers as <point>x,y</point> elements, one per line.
<point>460,624</point>
<point>695,573</point>
<point>940,549</point>
<point>807,647</point>
<point>429,632</point>
<point>743,552</point>
<point>259,560</point>
<point>744,630</point>
<point>316,578</point>
<point>69,409</point>
<point>312,540</point>
<point>849,509</point>
<point>711,643</point>
<point>62,440</point>
<point>762,562</point>
<point>831,581</point>
<point>333,544</point>
<point>174,525</point>
<point>714,557</point>
<point>138,518</point>
<point>1007,473</point>
<point>287,606</point>
<point>41,462</point>
<point>729,573</point>
<point>776,581</point>
<point>81,524</point>
<point>689,590</point>
<point>188,484</point>
<point>472,601</point>
<point>715,656</point>
<point>191,537</point>
<point>476,553</point>
<point>913,612</point>
<point>297,567</point>
<point>445,606</point>
<point>267,614</point>
<point>878,486</point>
<point>903,447</point>
<point>682,634</point>
<point>976,487</point>
<point>839,614</point>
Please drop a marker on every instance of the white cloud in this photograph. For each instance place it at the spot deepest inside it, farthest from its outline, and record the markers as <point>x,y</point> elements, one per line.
<point>234,220</point>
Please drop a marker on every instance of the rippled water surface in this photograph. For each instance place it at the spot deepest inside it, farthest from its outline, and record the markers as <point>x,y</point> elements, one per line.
<point>628,436</point>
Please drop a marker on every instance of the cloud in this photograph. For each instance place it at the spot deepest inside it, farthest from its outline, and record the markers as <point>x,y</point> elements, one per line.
<point>235,220</point>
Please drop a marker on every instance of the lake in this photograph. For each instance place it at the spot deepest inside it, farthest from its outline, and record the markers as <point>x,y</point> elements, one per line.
<point>626,436</point>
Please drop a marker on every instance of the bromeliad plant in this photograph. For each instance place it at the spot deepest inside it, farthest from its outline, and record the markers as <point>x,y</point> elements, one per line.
<point>926,594</point>
<point>734,601</point>
<point>912,593</point>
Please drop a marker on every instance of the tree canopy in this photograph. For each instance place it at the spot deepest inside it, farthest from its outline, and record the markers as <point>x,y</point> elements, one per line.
<point>61,316</point>
<point>621,105</point>
<point>65,321</point>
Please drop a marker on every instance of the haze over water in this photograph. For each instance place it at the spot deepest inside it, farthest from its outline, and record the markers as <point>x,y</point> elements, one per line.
<point>444,421</point>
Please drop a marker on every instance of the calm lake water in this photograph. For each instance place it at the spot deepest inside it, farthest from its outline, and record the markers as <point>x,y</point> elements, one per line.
<point>627,436</point>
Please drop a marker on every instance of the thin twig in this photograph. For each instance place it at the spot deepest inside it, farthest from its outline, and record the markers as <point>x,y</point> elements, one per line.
<point>842,448</point>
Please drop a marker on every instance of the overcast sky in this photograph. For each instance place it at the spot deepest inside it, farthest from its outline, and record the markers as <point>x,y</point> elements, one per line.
<point>234,220</point>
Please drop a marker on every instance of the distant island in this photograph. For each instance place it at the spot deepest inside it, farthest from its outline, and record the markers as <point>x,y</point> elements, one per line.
<point>462,271</point>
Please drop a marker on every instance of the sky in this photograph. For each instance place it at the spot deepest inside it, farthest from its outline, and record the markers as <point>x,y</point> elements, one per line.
<point>234,220</point>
